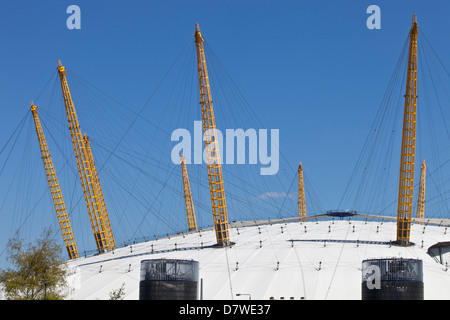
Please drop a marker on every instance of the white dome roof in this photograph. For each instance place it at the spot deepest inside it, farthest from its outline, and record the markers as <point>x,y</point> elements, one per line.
<point>318,259</point>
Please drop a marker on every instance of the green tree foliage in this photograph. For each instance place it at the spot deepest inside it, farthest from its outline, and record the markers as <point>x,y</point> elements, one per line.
<point>118,294</point>
<point>37,270</point>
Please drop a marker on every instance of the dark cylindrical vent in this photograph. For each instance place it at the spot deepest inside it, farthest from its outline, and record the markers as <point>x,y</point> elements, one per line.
<point>392,279</point>
<point>169,279</point>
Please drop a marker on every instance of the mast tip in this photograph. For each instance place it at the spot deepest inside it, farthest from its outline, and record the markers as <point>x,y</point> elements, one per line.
<point>414,18</point>
<point>197,27</point>
<point>59,63</point>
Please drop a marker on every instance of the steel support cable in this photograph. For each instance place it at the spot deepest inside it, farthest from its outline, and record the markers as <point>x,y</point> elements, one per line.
<point>138,114</point>
<point>361,190</point>
<point>312,196</point>
<point>179,98</point>
<point>232,195</point>
<point>18,205</point>
<point>337,262</point>
<point>175,104</point>
<point>139,200</point>
<point>426,105</point>
<point>61,151</point>
<point>71,208</point>
<point>19,172</point>
<point>182,98</point>
<point>236,87</point>
<point>148,207</point>
<point>99,108</point>
<point>141,110</point>
<point>163,183</point>
<point>378,120</point>
<point>128,109</point>
<point>439,181</point>
<point>191,77</point>
<point>437,96</point>
<point>53,77</point>
<point>299,261</point>
<point>72,205</point>
<point>30,212</point>
<point>440,196</point>
<point>227,99</point>
<point>232,86</point>
<point>431,122</point>
<point>19,165</point>
<point>383,164</point>
<point>434,51</point>
<point>135,181</point>
<point>16,171</point>
<point>286,196</point>
<point>19,127</point>
<point>388,159</point>
<point>246,105</point>
<point>437,200</point>
<point>164,167</point>
<point>27,181</point>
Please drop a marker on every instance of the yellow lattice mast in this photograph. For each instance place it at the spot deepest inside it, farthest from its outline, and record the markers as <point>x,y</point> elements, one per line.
<point>216,189</point>
<point>301,195</point>
<point>86,169</point>
<point>421,199</point>
<point>406,181</point>
<point>192,223</point>
<point>105,224</point>
<point>55,189</point>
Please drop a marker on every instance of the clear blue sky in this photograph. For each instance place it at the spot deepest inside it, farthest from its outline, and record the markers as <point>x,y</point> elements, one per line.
<point>311,69</point>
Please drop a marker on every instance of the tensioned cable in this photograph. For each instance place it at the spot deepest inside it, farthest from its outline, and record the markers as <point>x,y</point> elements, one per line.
<point>32,210</point>
<point>434,51</point>
<point>138,115</point>
<point>231,84</point>
<point>376,125</point>
<point>439,181</point>
<point>45,86</point>
<point>19,127</point>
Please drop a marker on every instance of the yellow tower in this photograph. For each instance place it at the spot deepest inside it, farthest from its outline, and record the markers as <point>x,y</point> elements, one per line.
<point>105,224</point>
<point>216,189</point>
<point>301,195</point>
<point>93,195</point>
<point>406,181</point>
<point>55,189</point>
<point>192,223</point>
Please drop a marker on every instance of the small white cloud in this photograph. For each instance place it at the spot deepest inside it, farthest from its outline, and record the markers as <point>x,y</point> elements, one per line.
<point>274,195</point>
